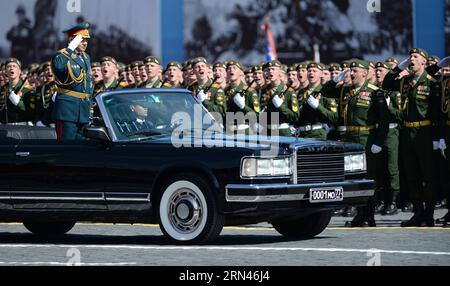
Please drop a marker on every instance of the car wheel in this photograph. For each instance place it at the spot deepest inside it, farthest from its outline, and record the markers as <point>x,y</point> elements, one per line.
<point>49,228</point>
<point>188,211</point>
<point>305,227</point>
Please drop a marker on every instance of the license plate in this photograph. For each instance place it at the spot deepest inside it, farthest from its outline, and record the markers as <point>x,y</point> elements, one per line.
<point>323,195</point>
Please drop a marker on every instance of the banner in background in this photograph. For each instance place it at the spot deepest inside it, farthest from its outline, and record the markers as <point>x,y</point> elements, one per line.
<point>343,29</point>
<point>32,29</point>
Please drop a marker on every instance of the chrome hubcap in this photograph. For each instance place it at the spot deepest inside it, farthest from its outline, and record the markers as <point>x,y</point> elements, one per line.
<point>185,211</point>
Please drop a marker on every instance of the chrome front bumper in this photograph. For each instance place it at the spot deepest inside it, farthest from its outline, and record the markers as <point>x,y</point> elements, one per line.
<point>256,193</point>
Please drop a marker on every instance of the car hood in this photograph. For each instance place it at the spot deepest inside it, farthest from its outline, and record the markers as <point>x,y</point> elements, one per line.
<point>256,143</point>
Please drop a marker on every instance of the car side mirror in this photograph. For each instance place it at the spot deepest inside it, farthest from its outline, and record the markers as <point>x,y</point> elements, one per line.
<point>96,133</point>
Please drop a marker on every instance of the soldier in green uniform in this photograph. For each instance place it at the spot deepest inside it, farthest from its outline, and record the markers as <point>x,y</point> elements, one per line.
<point>45,94</point>
<point>419,114</point>
<point>2,75</point>
<point>220,74</point>
<point>241,100</point>
<point>173,75</point>
<point>326,74</point>
<point>248,76</point>
<point>136,73</point>
<point>110,82</point>
<point>432,60</point>
<point>189,77</point>
<point>209,93</point>
<point>153,70</point>
<point>388,177</point>
<point>335,70</point>
<point>279,102</point>
<point>72,69</point>
<point>129,77</point>
<point>293,81</point>
<point>97,76</point>
<point>259,80</point>
<point>363,116</point>
<point>311,123</point>
<point>302,75</point>
<point>372,78</point>
<point>12,106</point>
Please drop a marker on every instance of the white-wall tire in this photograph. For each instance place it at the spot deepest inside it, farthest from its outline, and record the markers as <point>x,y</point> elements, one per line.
<point>188,211</point>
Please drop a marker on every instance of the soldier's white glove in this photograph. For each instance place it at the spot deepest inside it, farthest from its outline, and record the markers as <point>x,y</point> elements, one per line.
<point>435,145</point>
<point>277,101</point>
<point>442,146</point>
<point>376,149</point>
<point>201,96</point>
<point>313,102</point>
<point>239,101</point>
<point>403,65</point>
<point>54,97</point>
<point>340,77</point>
<point>388,100</point>
<point>445,62</point>
<point>75,43</point>
<point>40,124</point>
<point>14,98</point>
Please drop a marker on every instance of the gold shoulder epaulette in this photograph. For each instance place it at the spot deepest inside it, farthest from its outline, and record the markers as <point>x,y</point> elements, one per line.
<point>123,84</point>
<point>374,87</point>
<point>431,78</point>
<point>215,85</point>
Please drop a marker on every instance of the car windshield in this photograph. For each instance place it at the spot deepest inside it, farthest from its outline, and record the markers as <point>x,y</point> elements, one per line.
<point>138,115</point>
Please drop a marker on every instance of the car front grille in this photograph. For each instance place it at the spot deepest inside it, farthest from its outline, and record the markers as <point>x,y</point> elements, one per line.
<point>320,168</point>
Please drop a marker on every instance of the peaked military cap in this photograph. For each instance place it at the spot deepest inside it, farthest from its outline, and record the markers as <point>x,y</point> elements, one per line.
<point>81,29</point>
<point>152,59</point>
<point>235,63</point>
<point>137,64</point>
<point>109,59</point>
<point>421,52</point>
<point>274,63</point>
<point>174,64</point>
<point>433,59</point>
<point>316,65</point>
<point>121,66</point>
<point>13,60</point>
<point>334,67</point>
<point>292,68</point>
<point>46,64</point>
<point>383,65</point>
<point>360,64</point>
<point>392,60</point>
<point>96,65</point>
<point>302,65</point>
<point>199,60</point>
<point>219,65</point>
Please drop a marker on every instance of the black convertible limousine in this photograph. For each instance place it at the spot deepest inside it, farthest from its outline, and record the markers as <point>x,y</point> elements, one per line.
<point>157,170</point>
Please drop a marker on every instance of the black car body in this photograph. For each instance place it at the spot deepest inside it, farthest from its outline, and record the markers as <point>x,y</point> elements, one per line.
<point>192,190</point>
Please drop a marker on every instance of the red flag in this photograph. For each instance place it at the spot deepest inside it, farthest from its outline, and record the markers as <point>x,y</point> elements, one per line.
<point>271,49</point>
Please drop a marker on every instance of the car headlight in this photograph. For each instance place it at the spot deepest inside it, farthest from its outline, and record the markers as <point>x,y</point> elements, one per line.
<point>355,163</point>
<point>262,167</point>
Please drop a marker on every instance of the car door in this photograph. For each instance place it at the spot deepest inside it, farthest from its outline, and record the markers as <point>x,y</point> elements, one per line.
<point>58,175</point>
<point>6,160</point>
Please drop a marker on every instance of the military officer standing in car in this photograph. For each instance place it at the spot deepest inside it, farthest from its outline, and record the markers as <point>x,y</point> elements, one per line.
<point>72,69</point>
<point>419,113</point>
<point>363,118</point>
<point>241,98</point>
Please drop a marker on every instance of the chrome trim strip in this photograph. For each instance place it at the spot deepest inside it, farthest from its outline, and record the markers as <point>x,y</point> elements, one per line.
<point>259,199</point>
<point>54,196</point>
<point>128,197</point>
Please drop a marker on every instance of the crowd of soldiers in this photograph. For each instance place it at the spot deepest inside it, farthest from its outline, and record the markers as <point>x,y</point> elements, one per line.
<point>387,106</point>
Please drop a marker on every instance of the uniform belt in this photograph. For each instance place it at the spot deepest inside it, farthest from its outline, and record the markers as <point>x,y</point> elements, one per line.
<point>391,125</point>
<point>415,124</point>
<point>355,128</point>
<point>239,127</point>
<point>307,128</point>
<point>79,95</point>
<point>278,126</point>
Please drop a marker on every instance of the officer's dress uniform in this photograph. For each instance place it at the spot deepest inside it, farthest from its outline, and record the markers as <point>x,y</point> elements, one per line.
<point>44,103</point>
<point>419,113</point>
<point>72,107</point>
<point>252,106</point>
